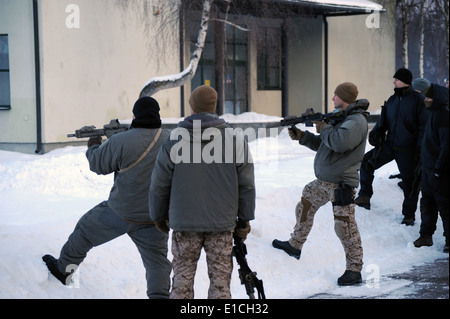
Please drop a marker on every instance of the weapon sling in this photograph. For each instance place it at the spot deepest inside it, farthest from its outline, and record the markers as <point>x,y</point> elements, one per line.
<point>143,154</point>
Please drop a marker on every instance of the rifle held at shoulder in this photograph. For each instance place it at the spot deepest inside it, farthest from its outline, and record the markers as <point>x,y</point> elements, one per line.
<point>108,130</point>
<point>308,118</point>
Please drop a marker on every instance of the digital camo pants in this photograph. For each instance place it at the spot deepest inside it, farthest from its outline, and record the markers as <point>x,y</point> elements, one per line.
<point>186,249</point>
<point>315,195</point>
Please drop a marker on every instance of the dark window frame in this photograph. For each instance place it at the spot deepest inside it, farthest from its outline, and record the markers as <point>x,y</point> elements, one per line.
<point>5,69</point>
<point>269,58</point>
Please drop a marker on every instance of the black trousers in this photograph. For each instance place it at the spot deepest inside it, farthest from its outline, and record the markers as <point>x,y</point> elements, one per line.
<point>406,164</point>
<point>435,199</point>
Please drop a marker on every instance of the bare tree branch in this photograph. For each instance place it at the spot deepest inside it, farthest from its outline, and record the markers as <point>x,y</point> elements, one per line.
<point>156,84</point>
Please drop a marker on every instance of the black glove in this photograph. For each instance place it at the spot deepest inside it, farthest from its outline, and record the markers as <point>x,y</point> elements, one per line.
<point>163,226</point>
<point>95,140</point>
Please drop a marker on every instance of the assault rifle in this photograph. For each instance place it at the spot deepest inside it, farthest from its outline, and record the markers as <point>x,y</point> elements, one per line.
<point>308,117</point>
<point>108,130</point>
<point>248,277</point>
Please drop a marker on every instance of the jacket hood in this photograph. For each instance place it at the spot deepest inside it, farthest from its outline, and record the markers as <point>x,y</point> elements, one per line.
<point>360,106</point>
<point>207,120</point>
<point>197,123</point>
<point>440,96</point>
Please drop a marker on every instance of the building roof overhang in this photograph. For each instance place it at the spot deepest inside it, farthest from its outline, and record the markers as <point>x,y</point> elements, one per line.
<point>341,7</point>
<point>289,8</point>
<point>333,7</point>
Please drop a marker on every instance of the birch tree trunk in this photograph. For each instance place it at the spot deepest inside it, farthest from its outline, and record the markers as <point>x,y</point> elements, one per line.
<point>422,37</point>
<point>443,7</point>
<point>404,13</point>
<point>156,84</point>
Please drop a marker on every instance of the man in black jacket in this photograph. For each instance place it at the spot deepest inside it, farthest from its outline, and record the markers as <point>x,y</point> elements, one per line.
<point>435,166</point>
<point>396,136</point>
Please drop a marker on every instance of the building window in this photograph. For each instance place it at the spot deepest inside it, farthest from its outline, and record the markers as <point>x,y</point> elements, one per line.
<point>5,95</point>
<point>236,82</point>
<point>269,59</point>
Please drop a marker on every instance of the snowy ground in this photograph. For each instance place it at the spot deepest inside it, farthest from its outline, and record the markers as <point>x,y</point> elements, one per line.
<point>43,196</point>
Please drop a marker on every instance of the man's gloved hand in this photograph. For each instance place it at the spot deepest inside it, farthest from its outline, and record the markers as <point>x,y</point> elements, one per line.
<point>95,140</point>
<point>319,125</point>
<point>163,226</point>
<point>242,229</point>
<point>295,133</point>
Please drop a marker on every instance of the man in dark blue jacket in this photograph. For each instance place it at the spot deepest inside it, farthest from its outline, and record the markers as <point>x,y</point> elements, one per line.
<point>435,167</point>
<point>396,136</point>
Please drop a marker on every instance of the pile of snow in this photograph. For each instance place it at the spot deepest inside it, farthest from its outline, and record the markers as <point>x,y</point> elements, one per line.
<point>246,117</point>
<point>43,196</point>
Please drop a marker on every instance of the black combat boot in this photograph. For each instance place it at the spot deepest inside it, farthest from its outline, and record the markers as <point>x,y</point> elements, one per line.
<point>350,278</point>
<point>363,201</point>
<point>424,240</point>
<point>52,265</point>
<point>284,245</point>
<point>408,221</point>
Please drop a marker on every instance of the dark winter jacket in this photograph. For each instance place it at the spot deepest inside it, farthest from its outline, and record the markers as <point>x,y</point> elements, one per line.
<point>201,182</point>
<point>129,195</point>
<point>435,144</point>
<point>404,119</point>
<point>340,148</point>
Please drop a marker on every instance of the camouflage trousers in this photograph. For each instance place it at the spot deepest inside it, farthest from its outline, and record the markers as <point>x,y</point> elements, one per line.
<point>315,195</point>
<point>186,249</point>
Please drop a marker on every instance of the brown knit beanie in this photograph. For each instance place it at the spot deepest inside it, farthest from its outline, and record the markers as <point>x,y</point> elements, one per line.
<point>347,92</point>
<point>203,99</point>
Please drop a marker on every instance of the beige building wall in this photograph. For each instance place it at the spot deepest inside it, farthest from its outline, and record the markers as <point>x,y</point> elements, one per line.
<point>89,79</point>
<point>363,55</point>
<point>96,57</point>
<point>19,123</point>
<point>305,69</point>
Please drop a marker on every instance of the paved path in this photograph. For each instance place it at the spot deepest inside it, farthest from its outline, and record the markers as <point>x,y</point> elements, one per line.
<point>429,281</point>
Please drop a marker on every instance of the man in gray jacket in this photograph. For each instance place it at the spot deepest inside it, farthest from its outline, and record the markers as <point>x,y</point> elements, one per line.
<point>340,149</point>
<point>202,183</point>
<point>130,156</point>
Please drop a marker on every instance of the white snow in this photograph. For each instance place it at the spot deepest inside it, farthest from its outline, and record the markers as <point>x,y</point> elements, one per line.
<point>43,196</point>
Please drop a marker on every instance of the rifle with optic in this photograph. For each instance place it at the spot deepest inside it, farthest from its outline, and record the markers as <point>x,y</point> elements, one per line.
<point>108,130</point>
<point>308,118</point>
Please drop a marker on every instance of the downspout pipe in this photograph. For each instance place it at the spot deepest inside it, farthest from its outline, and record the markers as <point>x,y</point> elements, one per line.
<point>181,43</point>
<point>37,71</point>
<point>284,72</point>
<point>325,89</point>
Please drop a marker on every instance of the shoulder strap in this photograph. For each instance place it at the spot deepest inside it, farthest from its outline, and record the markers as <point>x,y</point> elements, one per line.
<point>143,154</point>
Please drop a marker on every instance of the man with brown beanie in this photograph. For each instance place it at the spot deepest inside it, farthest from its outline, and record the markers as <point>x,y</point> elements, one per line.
<point>396,136</point>
<point>130,155</point>
<point>202,199</point>
<point>340,148</point>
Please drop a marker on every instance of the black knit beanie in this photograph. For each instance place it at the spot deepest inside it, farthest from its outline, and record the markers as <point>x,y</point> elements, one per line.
<point>403,75</point>
<point>146,112</point>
